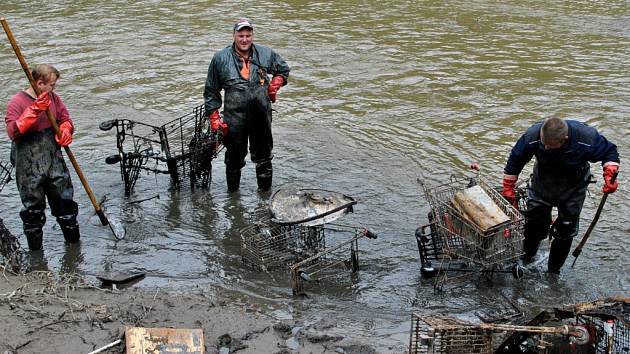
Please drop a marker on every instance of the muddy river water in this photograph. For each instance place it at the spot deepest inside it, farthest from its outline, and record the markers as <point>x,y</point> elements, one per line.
<point>381,94</point>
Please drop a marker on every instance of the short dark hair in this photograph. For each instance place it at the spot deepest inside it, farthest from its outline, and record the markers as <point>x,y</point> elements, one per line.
<point>44,72</point>
<point>554,130</point>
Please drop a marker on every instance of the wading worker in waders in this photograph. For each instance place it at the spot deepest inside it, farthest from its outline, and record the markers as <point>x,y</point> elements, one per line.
<point>563,151</point>
<point>243,70</point>
<point>40,171</point>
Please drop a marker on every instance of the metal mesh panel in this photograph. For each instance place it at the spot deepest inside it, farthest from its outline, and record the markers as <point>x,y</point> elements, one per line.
<point>332,263</point>
<point>5,173</point>
<point>463,239</point>
<point>268,246</point>
<point>436,335</point>
<point>612,333</point>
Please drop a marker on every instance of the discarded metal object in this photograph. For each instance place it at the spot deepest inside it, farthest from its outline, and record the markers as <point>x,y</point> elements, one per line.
<point>332,261</point>
<point>313,253</point>
<point>13,253</point>
<point>443,334</point>
<point>139,340</point>
<point>183,148</point>
<point>600,327</point>
<point>5,173</point>
<point>308,207</point>
<point>450,235</point>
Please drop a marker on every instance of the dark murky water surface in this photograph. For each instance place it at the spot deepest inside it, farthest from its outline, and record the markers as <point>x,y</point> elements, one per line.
<point>381,93</point>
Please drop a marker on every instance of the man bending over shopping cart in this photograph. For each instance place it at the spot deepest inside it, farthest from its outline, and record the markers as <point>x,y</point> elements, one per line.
<point>563,151</point>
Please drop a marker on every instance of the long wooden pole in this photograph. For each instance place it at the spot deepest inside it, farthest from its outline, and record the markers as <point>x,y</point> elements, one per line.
<point>53,123</point>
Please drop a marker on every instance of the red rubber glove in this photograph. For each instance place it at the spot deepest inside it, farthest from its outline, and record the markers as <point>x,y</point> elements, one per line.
<point>509,189</point>
<point>217,124</point>
<point>610,169</point>
<point>276,83</point>
<point>65,134</point>
<point>28,118</point>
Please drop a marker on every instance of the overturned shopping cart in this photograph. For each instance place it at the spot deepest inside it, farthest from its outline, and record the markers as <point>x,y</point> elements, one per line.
<point>296,233</point>
<point>182,148</point>
<point>439,334</point>
<point>452,242</point>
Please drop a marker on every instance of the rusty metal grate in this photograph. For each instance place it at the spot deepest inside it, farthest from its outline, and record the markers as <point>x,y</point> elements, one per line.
<point>437,335</point>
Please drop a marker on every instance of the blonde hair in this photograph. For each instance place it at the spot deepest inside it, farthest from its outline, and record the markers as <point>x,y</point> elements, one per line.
<point>45,73</point>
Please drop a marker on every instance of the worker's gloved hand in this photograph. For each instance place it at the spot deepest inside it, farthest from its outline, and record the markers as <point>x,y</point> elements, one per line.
<point>65,134</point>
<point>276,83</point>
<point>610,169</point>
<point>217,124</point>
<point>509,189</point>
<point>28,118</point>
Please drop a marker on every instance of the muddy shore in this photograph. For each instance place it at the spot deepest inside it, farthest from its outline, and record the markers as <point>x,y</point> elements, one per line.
<point>46,313</point>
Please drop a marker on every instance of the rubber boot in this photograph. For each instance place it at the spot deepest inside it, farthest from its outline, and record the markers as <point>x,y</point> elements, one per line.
<point>530,248</point>
<point>264,175</point>
<point>33,222</point>
<point>558,254</point>
<point>69,228</point>
<point>34,237</point>
<point>233,178</point>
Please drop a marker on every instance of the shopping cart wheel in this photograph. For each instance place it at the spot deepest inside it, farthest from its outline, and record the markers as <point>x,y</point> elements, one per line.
<point>517,271</point>
<point>427,270</point>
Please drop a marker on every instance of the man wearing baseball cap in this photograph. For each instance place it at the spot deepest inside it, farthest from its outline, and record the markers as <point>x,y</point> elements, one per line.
<point>250,75</point>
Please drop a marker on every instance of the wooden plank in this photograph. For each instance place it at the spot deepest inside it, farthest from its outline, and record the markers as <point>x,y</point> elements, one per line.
<point>140,340</point>
<point>480,208</point>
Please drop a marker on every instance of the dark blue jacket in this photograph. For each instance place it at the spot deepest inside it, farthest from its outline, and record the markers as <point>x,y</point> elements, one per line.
<point>564,168</point>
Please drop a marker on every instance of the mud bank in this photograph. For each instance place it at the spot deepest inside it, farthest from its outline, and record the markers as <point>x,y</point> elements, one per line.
<point>45,313</point>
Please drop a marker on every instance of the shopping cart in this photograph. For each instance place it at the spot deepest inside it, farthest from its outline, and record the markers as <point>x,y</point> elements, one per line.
<point>451,242</point>
<point>295,233</point>
<point>440,334</point>
<point>183,148</point>
<point>5,173</point>
<point>599,327</point>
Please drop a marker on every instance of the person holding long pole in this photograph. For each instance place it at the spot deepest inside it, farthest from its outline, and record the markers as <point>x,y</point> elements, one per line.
<point>564,150</point>
<point>40,171</point>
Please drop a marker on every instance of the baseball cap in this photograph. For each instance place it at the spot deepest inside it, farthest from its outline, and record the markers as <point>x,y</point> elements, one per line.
<point>242,23</point>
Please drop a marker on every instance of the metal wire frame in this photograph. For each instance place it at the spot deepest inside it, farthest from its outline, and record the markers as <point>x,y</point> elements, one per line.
<point>5,173</point>
<point>612,331</point>
<point>267,246</point>
<point>442,334</point>
<point>333,261</point>
<point>185,145</point>
<point>453,237</point>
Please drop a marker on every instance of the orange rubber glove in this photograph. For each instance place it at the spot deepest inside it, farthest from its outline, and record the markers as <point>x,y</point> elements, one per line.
<point>28,118</point>
<point>274,86</point>
<point>509,189</point>
<point>65,134</point>
<point>610,170</point>
<point>217,124</point>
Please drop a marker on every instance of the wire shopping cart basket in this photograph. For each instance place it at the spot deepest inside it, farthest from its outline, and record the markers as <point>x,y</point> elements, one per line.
<point>451,235</point>
<point>183,148</point>
<point>295,234</point>
<point>5,173</point>
<point>597,327</point>
<point>440,334</point>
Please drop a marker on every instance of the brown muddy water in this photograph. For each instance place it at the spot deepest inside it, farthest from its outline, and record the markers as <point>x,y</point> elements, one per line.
<point>381,93</point>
